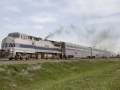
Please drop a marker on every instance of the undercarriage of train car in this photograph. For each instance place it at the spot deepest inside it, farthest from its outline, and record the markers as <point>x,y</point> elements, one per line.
<point>4,54</point>
<point>37,55</point>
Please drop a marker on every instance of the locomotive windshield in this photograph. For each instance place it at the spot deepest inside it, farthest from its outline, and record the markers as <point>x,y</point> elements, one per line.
<point>14,35</point>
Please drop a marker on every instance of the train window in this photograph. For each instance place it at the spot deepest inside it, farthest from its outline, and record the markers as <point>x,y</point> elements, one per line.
<point>37,39</point>
<point>22,37</point>
<point>34,38</point>
<point>40,38</point>
<point>26,37</point>
<point>31,37</point>
<point>67,45</point>
<point>57,45</point>
<point>63,46</point>
<point>14,35</point>
<point>74,46</point>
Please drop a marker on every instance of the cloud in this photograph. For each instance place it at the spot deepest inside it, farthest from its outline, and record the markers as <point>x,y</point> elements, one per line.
<point>93,7</point>
<point>6,19</point>
<point>38,27</point>
<point>9,6</point>
<point>109,19</point>
<point>39,3</point>
<point>43,17</point>
<point>18,27</point>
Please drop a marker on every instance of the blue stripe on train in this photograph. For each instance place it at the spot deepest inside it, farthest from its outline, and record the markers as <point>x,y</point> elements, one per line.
<point>32,47</point>
<point>39,48</point>
<point>77,50</point>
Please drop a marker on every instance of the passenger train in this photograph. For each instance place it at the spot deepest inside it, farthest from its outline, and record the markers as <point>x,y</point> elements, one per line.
<point>22,46</point>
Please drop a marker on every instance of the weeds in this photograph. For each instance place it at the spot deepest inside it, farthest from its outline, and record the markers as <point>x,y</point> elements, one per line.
<point>80,75</point>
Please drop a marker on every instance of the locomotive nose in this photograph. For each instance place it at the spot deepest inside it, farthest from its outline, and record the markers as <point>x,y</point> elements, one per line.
<point>6,43</point>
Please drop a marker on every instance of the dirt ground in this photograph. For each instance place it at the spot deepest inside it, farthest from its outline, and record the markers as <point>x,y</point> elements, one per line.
<point>35,61</point>
<point>31,61</point>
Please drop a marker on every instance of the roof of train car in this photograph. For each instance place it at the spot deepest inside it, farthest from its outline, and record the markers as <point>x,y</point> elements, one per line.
<point>60,42</point>
<point>25,34</point>
<point>88,47</point>
<point>76,45</point>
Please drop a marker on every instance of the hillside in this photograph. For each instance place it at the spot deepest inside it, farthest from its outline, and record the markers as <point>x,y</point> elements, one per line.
<point>78,75</point>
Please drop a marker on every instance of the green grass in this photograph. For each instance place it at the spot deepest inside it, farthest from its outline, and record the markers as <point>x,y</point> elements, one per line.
<point>79,75</point>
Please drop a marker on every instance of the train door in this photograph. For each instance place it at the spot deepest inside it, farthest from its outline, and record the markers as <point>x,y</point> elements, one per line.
<point>63,46</point>
<point>31,40</point>
<point>34,43</point>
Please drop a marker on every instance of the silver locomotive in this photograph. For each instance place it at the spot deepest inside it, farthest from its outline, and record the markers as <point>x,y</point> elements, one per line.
<point>22,46</point>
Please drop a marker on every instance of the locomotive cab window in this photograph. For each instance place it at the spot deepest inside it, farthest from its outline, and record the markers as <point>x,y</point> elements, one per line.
<point>24,37</point>
<point>36,39</point>
<point>14,35</point>
<point>57,45</point>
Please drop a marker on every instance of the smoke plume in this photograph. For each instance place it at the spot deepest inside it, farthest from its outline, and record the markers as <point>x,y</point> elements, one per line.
<point>93,37</point>
<point>62,30</point>
<point>57,32</point>
<point>106,39</point>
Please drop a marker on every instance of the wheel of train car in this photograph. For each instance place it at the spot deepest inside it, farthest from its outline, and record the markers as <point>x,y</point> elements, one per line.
<point>16,58</point>
<point>10,58</point>
<point>20,58</point>
<point>88,57</point>
<point>46,57</point>
<point>66,58</point>
<point>51,58</point>
<point>27,58</point>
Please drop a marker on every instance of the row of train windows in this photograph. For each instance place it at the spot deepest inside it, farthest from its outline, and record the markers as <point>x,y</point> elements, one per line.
<point>98,50</point>
<point>69,46</point>
<point>29,37</point>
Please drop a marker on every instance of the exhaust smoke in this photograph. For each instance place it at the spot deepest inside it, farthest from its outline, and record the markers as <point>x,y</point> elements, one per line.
<point>106,38</point>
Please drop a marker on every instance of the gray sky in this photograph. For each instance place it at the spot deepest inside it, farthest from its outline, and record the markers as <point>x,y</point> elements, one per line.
<point>85,22</point>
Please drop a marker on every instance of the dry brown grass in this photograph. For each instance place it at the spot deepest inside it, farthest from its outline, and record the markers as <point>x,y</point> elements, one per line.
<point>1,69</point>
<point>35,61</point>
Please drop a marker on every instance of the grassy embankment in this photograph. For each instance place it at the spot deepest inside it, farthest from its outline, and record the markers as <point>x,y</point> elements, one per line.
<point>80,75</point>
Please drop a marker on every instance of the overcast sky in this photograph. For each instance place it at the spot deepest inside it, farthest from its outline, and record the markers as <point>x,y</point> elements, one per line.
<point>85,22</point>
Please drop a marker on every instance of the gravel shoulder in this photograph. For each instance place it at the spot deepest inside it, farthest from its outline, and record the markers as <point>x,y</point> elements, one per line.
<point>35,61</point>
<point>31,61</point>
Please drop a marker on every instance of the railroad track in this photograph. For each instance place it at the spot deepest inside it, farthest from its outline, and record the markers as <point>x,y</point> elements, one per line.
<point>35,61</point>
<point>31,61</point>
